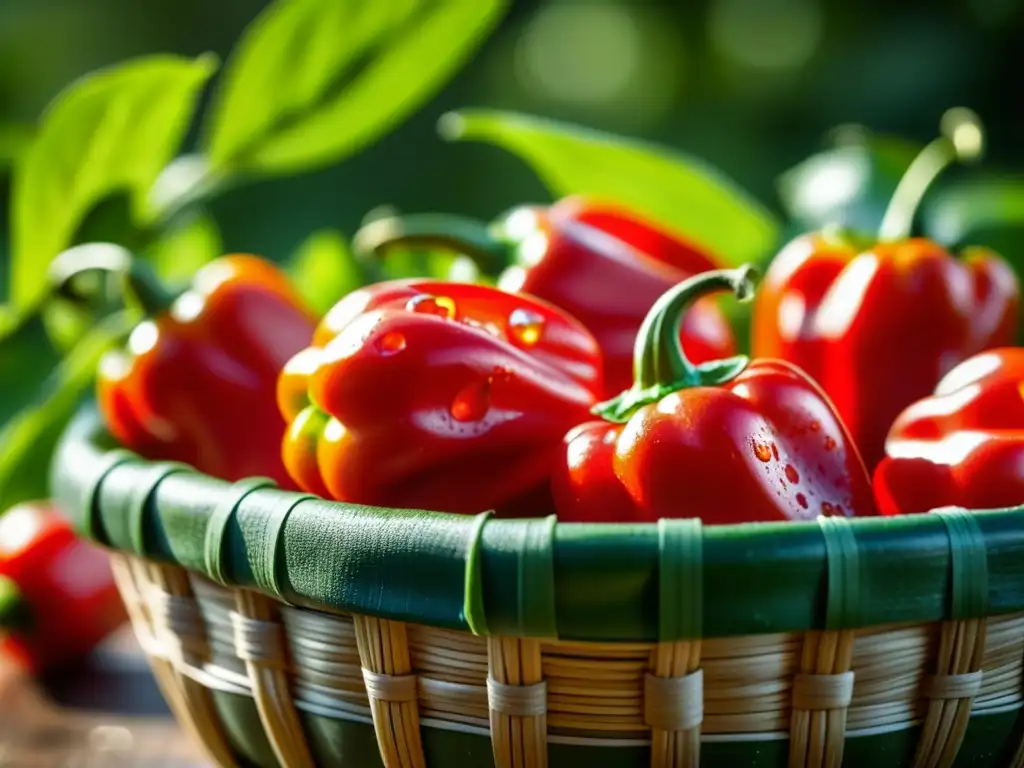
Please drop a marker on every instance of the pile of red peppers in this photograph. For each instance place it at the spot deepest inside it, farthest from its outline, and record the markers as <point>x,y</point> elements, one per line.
<point>595,375</point>
<point>592,374</point>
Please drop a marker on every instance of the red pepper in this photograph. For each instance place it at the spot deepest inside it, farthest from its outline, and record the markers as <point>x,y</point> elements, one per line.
<point>432,395</point>
<point>727,441</point>
<point>58,599</point>
<point>962,446</point>
<point>598,262</point>
<point>877,325</point>
<point>197,382</point>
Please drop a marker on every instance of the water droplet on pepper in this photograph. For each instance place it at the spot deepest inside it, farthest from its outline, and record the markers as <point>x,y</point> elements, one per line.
<point>775,451</point>
<point>815,426</point>
<point>801,500</point>
<point>763,451</point>
<point>442,306</point>
<point>791,474</point>
<point>391,343</point>
<point>830,443</point>
<point>525,326</point>
<point>472,401</point>
<point>827,509</point>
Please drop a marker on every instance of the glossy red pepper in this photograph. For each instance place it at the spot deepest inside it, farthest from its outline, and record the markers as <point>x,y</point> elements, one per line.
<point>727,441</point>
<point>197,381</point>
<point>962,446</point>
<point>432,395</point>
<point>878,324</point>
<point>58,599</point>
<point>600,263</point>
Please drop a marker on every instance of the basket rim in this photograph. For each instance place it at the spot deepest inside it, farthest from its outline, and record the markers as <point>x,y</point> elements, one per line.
<point>529,577</point>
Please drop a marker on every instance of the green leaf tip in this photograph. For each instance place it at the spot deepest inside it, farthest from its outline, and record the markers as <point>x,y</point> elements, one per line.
<point>311,82</point>
<point>683,194</point>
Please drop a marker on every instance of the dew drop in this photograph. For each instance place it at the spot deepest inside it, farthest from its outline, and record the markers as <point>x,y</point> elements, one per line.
<point>791,474</point>
<point>442,306</point>
<point>472,401</point>
<point>830,443</point>
<point>525,326</point>
<point>801,500</point>
<point>827,509</point>
<point>775,451</point>
<point>815,426</point>
<point>763,451</point>
<point>391,343</point>
<point>840,510</point>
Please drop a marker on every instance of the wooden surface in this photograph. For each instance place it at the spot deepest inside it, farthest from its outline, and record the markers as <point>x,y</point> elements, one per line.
<point>108,714</point>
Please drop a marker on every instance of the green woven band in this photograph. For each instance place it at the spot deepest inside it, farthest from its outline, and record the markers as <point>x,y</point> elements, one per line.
<point>680,580</point>
<point>968,564</point>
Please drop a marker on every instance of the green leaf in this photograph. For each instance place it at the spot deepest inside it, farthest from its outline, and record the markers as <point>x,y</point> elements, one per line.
<point>180,252</point>
<point>27,441</point>
<point>15,139</point>
<point>313,81</point>
<point>27,356</point>
<point>680,192</point>
<point>982,204</point>
<point>113,130</point>
<point>849,185</point>
<point>323,270</point>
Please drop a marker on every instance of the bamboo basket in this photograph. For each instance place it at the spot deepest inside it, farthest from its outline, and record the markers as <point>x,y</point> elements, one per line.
<point>289,631</point>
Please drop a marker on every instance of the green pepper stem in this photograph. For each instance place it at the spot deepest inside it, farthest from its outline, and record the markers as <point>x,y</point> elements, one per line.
<point>660,365</point>
<point>962,140</point>
<point>14,611</point>
<point>468,237</point>
<point>141,285</point>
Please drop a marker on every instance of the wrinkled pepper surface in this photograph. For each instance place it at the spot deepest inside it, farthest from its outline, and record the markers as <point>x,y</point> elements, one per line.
<point>727,441</point>
<point>963,445</point>
<point>433,395</point>
<point>599,262</point>
<point>197,380</point>
<point>878,322</point>
<point>58,598</point>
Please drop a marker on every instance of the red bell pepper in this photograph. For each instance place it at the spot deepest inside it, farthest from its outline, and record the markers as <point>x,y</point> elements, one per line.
<point>962,446</point>
<point>197,382</point>
<point>598,262</point>
<point>58,599</point>
<point>431,395</point>
<point>727,441</point>
<point>878,324</point>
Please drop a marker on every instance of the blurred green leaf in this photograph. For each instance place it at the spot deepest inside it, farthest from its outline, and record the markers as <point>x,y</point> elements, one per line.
<point>849,185</point>
<point>323,270</point>
<point>313,81</point>
<point>112,130</point>
<point>680,192</point>
<point>959,212</point>
<point>15,139</point>
<point>27,356</point>
<point>27,440</point>
<point>179,253</point>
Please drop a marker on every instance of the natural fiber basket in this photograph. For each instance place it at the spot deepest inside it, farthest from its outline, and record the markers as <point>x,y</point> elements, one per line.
<point>287,630</point>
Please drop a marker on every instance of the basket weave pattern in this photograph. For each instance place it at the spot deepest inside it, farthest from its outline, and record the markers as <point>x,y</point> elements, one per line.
<point>817,688</point>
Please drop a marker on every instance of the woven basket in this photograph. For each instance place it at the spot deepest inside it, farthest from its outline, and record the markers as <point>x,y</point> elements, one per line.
<point>290,631</point>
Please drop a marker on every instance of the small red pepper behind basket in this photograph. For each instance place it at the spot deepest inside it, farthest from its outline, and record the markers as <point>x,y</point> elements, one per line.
<point>58,599</point>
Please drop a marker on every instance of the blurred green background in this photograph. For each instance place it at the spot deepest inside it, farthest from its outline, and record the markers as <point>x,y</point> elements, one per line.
<point>753,86</point>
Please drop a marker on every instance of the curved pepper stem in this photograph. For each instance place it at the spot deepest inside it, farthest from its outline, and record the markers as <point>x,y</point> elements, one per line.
<point>475,240</point>
<point>660,366</point>
<point>14,611</point>
<point>141,285</point>
<point>962,140</point>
